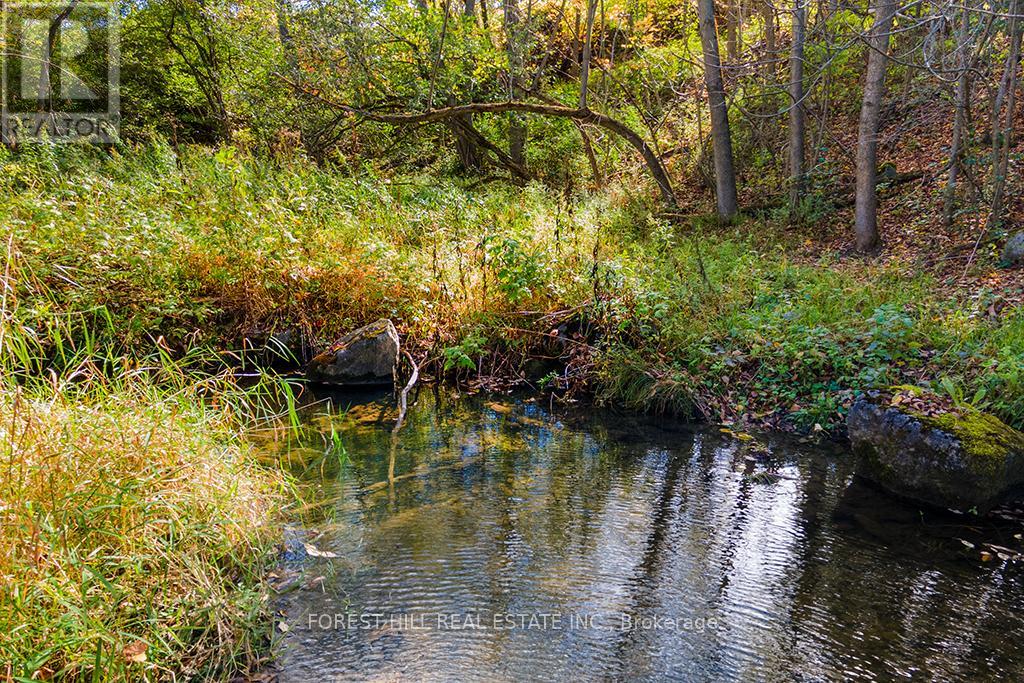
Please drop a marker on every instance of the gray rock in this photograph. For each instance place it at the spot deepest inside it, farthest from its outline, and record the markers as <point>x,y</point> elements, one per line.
<point>364,357</point>
<point>1013,252</point>
<point>963,462</point>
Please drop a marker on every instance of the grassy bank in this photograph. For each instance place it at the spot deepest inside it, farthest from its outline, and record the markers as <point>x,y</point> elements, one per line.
<point>135,528</point>
<point>206,247</point>
<point>789,342</point>
<point>135,521</point>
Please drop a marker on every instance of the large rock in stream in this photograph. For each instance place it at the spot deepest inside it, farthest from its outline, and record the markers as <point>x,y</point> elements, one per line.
<point>363,357</point>
<point>967,461</point>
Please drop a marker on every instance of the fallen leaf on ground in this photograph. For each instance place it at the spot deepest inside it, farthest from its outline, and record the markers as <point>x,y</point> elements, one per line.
<point>136,652</point>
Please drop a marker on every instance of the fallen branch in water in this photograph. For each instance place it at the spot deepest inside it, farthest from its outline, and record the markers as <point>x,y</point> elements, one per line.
<point>403,397</point>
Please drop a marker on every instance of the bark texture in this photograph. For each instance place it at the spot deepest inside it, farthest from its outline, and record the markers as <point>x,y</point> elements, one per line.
<point>725,176</point>
<point>796,109</point>
<point>866,200</point>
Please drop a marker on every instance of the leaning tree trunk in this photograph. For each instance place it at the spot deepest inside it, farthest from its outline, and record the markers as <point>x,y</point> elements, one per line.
<point>725,177</point>
<point>45,91</point>
<point>586,116</point>
<point>866,202</point>
<point>470,157</point>
<point>796,107</point>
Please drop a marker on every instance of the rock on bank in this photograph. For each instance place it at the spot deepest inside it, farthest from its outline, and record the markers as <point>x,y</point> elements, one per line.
<point>966,461</point>
<point>363,357</point>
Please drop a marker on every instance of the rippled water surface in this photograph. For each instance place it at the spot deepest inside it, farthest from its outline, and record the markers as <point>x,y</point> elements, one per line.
<point>510,542</point>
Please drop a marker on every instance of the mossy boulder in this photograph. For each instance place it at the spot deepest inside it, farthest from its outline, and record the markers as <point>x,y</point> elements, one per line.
<point>363,357</point>
<point>967,460</point>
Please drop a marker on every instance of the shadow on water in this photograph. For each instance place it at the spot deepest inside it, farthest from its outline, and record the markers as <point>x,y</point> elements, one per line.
<point>497,540</point>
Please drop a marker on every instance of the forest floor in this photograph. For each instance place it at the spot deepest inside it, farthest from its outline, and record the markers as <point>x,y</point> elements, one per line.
<point>132,281</point>
<point>961,258</point>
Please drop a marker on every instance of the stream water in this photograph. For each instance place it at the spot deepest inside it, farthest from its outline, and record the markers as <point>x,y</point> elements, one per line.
<point>494,539</point>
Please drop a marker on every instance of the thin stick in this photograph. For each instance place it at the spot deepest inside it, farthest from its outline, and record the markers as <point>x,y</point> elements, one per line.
<point>403,397</point>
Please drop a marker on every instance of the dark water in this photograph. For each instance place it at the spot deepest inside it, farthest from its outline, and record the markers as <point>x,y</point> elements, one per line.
<point>519,544</point>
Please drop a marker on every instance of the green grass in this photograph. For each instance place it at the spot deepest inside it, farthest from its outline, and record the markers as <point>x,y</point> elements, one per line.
<point>133,517</point>
<point>229,245</point>
<point>771,338</point>
<point>136,520</point>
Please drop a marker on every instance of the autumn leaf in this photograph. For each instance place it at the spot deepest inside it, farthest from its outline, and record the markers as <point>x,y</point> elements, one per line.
<point>136,652</point>
<point>313,551</point>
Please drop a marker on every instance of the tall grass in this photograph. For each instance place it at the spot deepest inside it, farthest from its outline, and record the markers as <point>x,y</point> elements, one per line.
<point>204,247</point>
<point>792,342</point>
<point>135,521</point>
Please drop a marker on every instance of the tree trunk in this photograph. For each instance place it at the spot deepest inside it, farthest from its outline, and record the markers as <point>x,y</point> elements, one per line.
<point>475,137</point>
<point>1002,135</point>
<point>914,10</point>
<point>587,46</point>
<point>470,157</point>
<point>205,65</point>
<point>866,201</point>
<point>731,29</point>
<point>45,90</point>
<point>439,56</point>
<point>768,16</point>
<point>959,116</point>
<point>575,47</point>
<point>517,126</point>
<point>725,177</point>
<point>588,149</point>
<point>796,107</point>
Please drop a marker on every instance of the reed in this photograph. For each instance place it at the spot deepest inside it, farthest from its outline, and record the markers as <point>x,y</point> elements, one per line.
<point>136,520</point>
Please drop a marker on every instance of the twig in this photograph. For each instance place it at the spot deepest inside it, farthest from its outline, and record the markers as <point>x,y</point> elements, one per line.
<point>567,340</point>
<point>403,397</point>
<point>974,250</point>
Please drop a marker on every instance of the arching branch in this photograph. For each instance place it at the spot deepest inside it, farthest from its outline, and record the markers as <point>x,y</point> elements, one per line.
<point>654,165</point>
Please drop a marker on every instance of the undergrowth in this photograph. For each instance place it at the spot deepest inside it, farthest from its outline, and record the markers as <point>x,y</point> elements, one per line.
<point>790,344</point>
<point>205,247</point>
<point>136,522</point>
